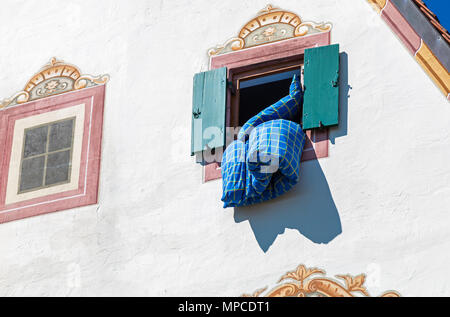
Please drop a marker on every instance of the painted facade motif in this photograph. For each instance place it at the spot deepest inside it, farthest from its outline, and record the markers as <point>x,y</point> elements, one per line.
<point>50,138</point>
<point>54,78</point>
<point>302,284</point>
<point>428,47</point>
<point>380,198</point>
<point>271,25</point>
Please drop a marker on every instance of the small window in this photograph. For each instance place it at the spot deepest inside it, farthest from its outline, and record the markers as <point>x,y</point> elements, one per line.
<point>252,83</point>
<point>50,143</point>
<point>258,93</point>
<point>47,155</point>
<point>259,86</point>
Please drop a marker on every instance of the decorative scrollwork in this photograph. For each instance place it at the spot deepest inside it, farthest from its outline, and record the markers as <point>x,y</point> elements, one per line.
<point>54,78</point>
<point>18,98</point>
<point>309,27</point>
<point>303,285</point>
<point>234,44</point>
<point>87,81</point>
<point>270,25</point>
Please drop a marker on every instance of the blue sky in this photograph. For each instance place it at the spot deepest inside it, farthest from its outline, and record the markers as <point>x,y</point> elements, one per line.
<point>442,9</point>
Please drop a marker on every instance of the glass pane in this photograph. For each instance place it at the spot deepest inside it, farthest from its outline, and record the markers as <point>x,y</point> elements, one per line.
<point>35,141</point>
<point>32,173</point>
<point>58,165</point>
<point>61,135</point>
<point>269,79</point>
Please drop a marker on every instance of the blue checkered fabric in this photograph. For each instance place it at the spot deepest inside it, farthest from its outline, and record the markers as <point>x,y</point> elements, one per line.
<point>264,161</point>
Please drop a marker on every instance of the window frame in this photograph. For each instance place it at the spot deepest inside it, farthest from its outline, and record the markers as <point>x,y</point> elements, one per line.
<point>85,189</point>
<point>261,59</point>
<point>256,71</point>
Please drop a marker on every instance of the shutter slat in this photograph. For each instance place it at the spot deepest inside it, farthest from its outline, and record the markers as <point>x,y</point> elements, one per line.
<point>321,79</point>
<point>208,110</point>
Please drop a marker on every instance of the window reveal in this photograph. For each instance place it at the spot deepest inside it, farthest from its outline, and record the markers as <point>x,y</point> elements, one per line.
<point>47,155</point>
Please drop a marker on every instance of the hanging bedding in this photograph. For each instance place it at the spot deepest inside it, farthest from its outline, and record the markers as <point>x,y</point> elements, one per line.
<point>264,161</point>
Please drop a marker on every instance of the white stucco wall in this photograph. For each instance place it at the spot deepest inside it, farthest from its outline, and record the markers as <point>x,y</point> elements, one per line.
<point>159,231</point>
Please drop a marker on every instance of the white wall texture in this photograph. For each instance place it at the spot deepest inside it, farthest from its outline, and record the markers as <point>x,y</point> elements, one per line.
<point>158,230</point>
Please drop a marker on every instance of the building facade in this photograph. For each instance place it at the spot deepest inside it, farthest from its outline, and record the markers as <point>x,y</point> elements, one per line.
<point>143,217</point>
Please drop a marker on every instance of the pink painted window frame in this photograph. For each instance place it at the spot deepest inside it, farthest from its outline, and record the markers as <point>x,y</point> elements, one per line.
<point>317,140</point>
<point>87,191</point>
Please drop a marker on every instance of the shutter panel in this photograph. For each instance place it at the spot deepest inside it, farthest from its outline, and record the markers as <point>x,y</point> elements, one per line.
<point>208,110</point>
<point>321,79</point>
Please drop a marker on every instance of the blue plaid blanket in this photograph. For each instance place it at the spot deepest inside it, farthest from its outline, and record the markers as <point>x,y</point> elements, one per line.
<point>264,161</point>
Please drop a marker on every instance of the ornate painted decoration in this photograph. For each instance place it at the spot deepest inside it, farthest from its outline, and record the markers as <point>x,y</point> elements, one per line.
<point>302,285</point>
<point>54,78</point>
<point>271,25</point>
<point>425,39</point>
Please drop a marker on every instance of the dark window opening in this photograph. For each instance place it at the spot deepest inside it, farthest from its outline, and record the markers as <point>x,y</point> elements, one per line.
<point>256,94</point>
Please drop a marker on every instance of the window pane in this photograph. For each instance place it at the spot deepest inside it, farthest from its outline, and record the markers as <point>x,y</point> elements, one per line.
<point>58,165</point>
<point>32,173</point>
<point>61,135</point>
<point>269,79</point>
<point>35,141</point>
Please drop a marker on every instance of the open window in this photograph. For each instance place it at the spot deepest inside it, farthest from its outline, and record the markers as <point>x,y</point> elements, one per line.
<point>258,89</point>
<point>242,82</point>
<point>261,86</point>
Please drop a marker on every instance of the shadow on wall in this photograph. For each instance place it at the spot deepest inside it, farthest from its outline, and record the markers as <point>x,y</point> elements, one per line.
<point>309,207</point>
<point>344,89</point>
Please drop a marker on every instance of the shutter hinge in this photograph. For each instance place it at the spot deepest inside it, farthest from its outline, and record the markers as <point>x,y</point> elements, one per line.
<point>196,113</point>
<point>335,82</point>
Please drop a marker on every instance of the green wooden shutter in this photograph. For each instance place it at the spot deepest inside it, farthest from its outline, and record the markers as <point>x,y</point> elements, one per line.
<point>208,110</point>
<point>321,80</point>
